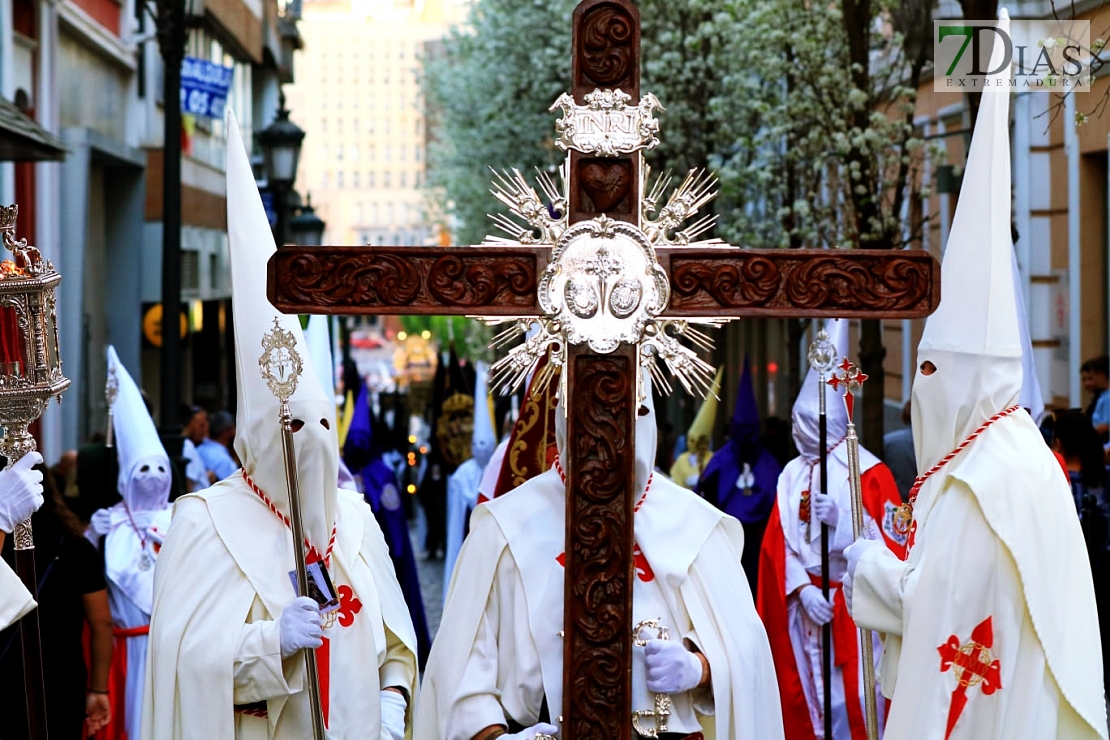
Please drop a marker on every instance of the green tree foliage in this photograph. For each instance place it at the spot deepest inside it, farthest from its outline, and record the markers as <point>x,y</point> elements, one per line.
<point>803,110</point>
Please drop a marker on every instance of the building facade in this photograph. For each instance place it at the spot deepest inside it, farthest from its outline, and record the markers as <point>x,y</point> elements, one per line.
<point>358,94</point>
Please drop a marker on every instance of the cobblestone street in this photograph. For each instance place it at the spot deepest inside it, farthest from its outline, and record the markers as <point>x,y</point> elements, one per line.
<point>430,572</point>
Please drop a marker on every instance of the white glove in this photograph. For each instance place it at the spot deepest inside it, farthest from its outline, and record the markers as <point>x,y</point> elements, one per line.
<point>530,733</point>
<point>100,522</point>
<point>671,668</point>
<point>854,552</point>
<point>825,509</point>
<point>692,480</point>
<point>20,491</point>
<point>393,715</point>
<point>846,588</point>
<point>816,605</point>
<point>301,626</point>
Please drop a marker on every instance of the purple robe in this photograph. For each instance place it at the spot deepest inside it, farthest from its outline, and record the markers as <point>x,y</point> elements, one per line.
<point>383,493</point>
<point>750,503</point>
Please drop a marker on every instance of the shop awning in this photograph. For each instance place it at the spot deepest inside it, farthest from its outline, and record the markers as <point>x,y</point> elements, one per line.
<point>23,140</point>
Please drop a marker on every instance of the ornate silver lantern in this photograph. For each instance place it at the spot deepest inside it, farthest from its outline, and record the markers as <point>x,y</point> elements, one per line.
<point>30,364</point>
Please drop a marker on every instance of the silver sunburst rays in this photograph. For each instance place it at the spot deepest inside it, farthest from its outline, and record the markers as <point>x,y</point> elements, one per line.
<point>603,285</point>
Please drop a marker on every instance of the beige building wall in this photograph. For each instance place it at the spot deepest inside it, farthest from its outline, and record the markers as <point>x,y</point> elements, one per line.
<point>358,98</point>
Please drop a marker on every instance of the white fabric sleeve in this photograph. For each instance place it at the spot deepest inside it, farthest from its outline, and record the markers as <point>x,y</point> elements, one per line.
<point>477,704</point>
<point>15,599</point>
<point>877,588</point>
<point>796,574</point>
<point>397,670</point>
<point>260,672</point>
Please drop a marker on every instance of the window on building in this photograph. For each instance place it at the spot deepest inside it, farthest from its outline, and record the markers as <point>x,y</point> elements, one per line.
<point>387,127</point>
<point>358,212</point>
<point>339,153</point>
<point>339,126</point>
<point>327,180</point>
<point>404,179</point>
<point>418,179</point>
<point>387,180</point>
<point>388,153</point>
<point>418,124</point>
<point>370,179</point>
<point>323,152</point>
<point>354,152</point>
<point>370,152</point>
<point>418,153</point>
<point>389,213</point>
<point>354,179</point>
<point>402,151</point>
<point>339,179</point>
<point>323,125</point>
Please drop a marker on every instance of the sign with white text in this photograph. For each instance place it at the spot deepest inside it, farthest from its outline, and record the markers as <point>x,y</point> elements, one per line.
<point>204,87</point>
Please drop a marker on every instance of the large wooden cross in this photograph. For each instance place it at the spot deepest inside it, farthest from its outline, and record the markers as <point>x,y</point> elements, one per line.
<point>544,264</point>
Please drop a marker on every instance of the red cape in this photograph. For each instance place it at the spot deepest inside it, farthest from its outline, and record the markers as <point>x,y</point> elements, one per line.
<point>880,498</point>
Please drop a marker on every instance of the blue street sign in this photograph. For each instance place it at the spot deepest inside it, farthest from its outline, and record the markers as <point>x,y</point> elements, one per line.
<point>204,87</point>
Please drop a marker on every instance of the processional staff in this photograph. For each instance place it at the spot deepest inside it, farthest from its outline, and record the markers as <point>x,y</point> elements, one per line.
<point>281,367</point>
<point>822,358</point>
<point>30,375</point>
<point>848,380</point>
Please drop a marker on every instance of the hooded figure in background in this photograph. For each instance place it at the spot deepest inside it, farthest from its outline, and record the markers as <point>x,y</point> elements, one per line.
<point>789,597</point>
<point>129,549</point>
<point>689,466</point>
<point>363,452</point>
<point>742,476</point>
<point>498,658</point>
<point>462,486</point>
<point>989,625</point>
<point>228,626</point>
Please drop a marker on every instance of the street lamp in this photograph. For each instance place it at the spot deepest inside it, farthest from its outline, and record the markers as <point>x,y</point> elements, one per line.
<point>306,227</point>
<point>281,150</point>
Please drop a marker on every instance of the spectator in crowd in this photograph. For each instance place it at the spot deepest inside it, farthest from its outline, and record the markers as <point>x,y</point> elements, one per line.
<point>1095,374</point>
<point>215,451</point>
<point>1076,440</point>
<point>899,454</point>
<point>195,431</point>
<point>72,591</point>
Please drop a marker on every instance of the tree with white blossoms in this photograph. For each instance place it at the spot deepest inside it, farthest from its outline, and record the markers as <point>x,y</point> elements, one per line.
<point>803,110</point>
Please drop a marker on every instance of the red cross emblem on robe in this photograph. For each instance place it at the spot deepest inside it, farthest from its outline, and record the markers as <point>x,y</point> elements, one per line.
<point>973,665</point>
<point>643,568</point>
<point>349,606</point>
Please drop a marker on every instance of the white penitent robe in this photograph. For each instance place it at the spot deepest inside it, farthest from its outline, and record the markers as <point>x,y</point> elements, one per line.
<point>130,594</point>
<point>215,638</point>
<point>498,654</point>
<point>984,600</point>
<point>15,599</point>
<point>784,576</point>
<point>462,497</point>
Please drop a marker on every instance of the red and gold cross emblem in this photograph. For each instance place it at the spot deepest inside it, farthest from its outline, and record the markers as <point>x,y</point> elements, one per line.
<point>973,664</point>
<point>349,606</point>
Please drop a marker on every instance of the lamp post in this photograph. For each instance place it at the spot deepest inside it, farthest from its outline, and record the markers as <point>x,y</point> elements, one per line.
<point>306,227</point>
<point>281,149</point>
<point>171,28</point>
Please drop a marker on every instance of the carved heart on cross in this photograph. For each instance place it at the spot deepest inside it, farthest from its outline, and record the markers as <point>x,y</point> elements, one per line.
<point>606,183</point>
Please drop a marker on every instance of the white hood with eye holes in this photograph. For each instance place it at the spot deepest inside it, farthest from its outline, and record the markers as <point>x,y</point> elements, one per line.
<point>144,483</point>
<point>973,339</point>
<point>258,433</point>
<point>998,542</point>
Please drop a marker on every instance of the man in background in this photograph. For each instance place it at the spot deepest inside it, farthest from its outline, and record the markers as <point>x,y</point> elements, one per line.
<point>215,449</point>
